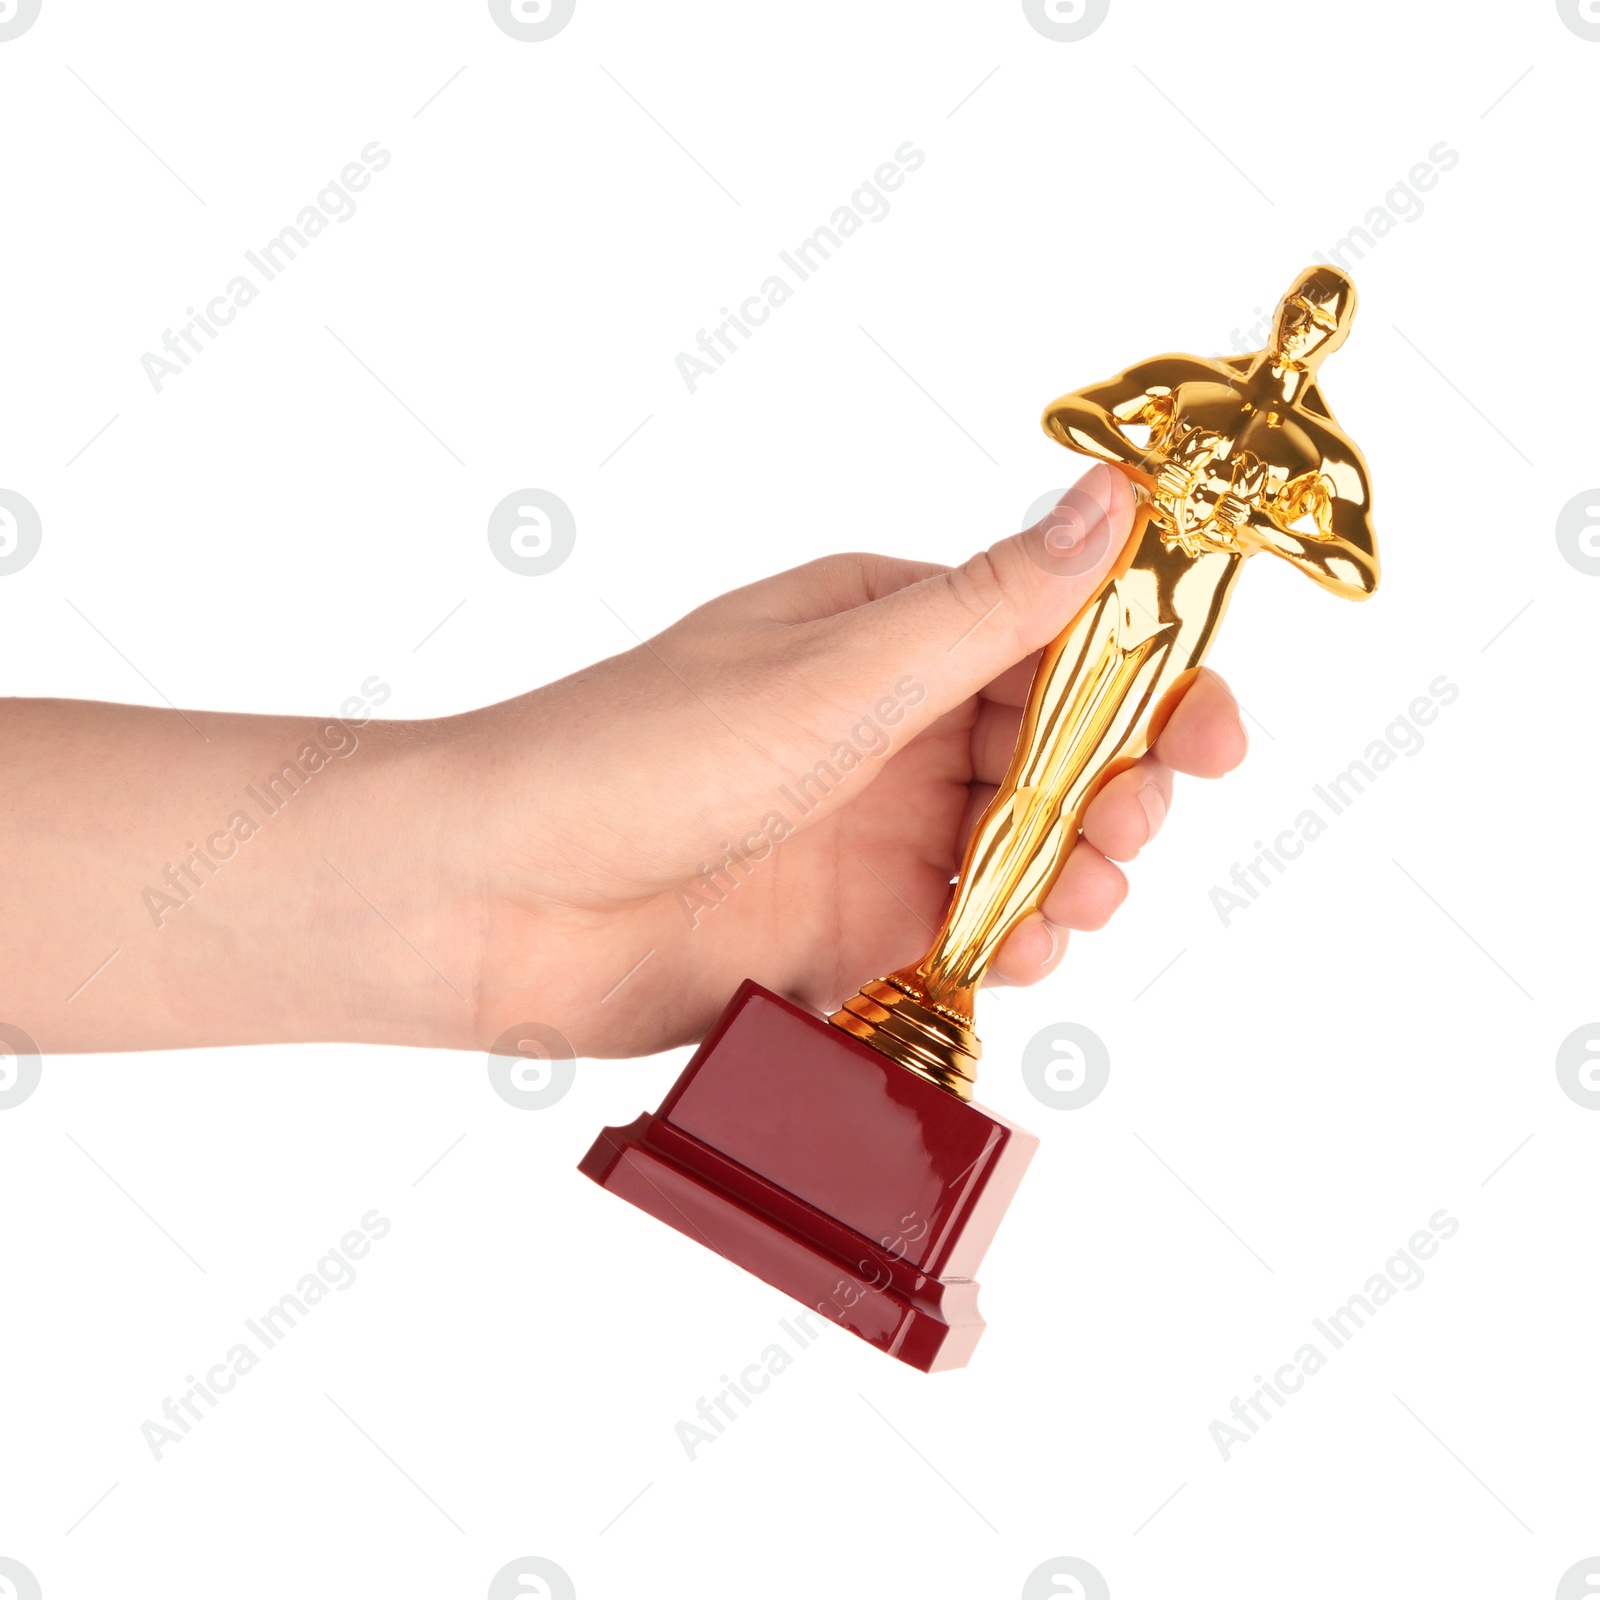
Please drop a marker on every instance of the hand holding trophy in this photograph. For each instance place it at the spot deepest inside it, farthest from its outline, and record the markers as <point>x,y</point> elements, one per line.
<point>842,1160</point>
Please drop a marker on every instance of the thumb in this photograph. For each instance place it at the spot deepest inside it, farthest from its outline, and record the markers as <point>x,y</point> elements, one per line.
<point>959,630</point>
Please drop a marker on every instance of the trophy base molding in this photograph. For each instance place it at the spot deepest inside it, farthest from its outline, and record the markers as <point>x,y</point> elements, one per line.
<point>863,1190</point>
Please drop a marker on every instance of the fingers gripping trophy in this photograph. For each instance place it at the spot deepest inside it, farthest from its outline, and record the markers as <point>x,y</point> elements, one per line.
<point>842,1159</point>
<point>1239,456</point>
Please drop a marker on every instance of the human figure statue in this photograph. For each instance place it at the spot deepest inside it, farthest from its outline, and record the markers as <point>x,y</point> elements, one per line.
<point>1236,456</point>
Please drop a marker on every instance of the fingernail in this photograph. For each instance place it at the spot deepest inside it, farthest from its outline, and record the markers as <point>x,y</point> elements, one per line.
<point>1055,942</point>
<point>1065,529</point>
<point>1155,809</point>
<point>1244,734</point>
<point>1096,488</point>
<point>1076,531</point>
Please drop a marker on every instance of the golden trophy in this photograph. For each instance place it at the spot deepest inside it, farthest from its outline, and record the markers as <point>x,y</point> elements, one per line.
<point>1241,455</point>
<point>797,1147</point>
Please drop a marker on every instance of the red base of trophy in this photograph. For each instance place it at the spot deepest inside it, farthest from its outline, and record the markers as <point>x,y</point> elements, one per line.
<point>804,1156</point>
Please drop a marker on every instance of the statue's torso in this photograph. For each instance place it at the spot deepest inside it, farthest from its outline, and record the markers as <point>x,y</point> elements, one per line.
<point>1286,439</point>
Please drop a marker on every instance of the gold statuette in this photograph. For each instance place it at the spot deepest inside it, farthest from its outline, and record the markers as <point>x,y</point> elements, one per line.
<point>1238,455</point>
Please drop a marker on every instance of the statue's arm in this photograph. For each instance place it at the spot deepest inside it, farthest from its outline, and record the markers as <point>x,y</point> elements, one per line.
<point>1091,420</point>
<point>1342,554</point>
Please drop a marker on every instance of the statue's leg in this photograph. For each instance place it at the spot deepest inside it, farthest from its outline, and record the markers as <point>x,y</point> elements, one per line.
<point>1101,690</point>
<point>1099,698</point>
<point>1022,840</point>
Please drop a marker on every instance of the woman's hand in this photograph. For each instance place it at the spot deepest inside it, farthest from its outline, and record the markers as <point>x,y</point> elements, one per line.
<point>780,786</point>
<point>777,787</point>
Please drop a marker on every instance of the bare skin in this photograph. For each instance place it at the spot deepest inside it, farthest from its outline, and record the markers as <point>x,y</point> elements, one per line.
<point>545,860</point>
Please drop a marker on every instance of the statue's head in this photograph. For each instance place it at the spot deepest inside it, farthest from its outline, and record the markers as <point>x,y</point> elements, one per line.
<point>1313,317</point>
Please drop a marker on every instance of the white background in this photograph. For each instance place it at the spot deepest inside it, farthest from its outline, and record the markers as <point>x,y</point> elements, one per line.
<point>1289,1100</point>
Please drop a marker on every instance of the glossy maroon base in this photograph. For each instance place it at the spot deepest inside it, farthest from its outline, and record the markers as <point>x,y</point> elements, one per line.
<point>805,1157</point>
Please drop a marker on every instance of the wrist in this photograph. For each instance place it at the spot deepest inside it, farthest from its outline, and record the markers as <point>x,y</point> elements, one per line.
<point>395,928</point>
<point>521,875</point>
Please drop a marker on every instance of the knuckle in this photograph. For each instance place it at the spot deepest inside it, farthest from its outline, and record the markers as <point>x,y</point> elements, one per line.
<point>981,589</point>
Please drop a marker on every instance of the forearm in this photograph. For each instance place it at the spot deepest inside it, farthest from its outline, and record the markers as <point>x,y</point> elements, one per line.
<point>1335,563</point>
<point>199,879</point>
<point>1091,431</point>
